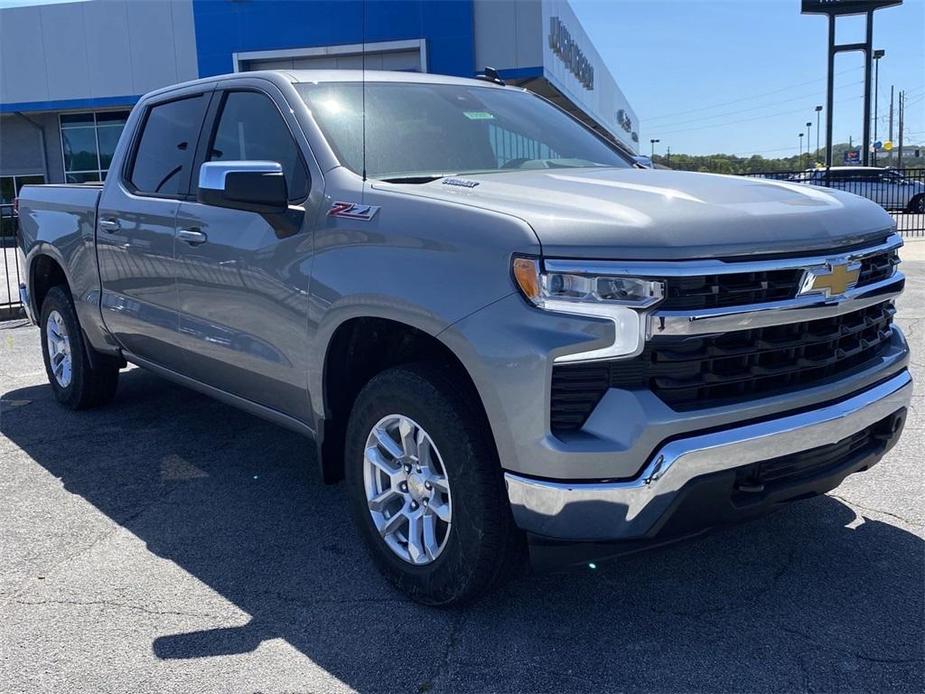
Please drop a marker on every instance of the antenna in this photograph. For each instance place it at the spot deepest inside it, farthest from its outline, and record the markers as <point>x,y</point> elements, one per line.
<point>363,80</point>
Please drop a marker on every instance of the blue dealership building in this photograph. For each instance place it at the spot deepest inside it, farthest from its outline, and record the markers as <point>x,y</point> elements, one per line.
<point>71,71</point>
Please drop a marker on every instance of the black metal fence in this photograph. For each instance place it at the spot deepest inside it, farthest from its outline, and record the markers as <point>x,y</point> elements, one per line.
<point>899,191</point>
<point>10,306</point>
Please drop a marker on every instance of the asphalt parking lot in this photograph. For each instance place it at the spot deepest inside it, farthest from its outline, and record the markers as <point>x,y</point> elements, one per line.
<point>171,543</point>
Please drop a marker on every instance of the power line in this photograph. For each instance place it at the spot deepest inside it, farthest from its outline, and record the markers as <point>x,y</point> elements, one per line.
<point>747,98</point>
<point>753,108</point>
<point>747,120</point>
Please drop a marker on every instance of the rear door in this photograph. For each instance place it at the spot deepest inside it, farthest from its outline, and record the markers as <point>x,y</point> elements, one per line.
<point>243,285</point>
<point>136,227</point>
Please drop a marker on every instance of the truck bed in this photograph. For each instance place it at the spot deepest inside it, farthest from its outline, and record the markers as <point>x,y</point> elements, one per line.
<point>59,220</point>
<point>56,214</point>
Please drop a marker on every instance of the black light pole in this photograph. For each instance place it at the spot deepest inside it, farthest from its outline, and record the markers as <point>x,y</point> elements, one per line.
<point>833,9</point>
<point>652,142</point>
<point>808,140</point>
<point>818,114</point>
<point>877,55</point>
<point>801,151</point>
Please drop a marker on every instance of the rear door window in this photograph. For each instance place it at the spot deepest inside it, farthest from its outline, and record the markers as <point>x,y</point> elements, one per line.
<point>164,154</point>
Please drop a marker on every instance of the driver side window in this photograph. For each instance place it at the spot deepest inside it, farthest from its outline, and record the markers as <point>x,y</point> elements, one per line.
<point>251,128</point>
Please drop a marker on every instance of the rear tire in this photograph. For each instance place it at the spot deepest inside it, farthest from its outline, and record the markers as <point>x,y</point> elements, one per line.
<point>480,546</point>
<point>76,384</point>
<point>917,204</point>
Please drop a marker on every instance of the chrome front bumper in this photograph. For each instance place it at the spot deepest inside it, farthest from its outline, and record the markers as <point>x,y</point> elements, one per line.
<point>631,509</point>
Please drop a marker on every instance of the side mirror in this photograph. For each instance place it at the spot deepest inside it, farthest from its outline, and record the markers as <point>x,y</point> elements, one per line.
<point>254,186</point>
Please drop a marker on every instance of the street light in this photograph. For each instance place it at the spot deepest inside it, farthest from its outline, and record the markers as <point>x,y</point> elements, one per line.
<point>801,151</point>
<point>877,55</point>
<point>652,142</point>
<point>808,140</point>
<point>818,113</point>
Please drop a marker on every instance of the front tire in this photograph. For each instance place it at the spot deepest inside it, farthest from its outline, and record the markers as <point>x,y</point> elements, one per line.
<point>917,204</point>
<point>426,488</point>
<point>76,384</point>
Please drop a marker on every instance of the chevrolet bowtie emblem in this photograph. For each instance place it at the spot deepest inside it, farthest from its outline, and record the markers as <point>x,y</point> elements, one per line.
<point>832,279</point>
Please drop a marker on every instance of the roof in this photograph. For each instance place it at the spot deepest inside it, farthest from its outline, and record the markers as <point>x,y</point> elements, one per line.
<point>319,76</point>
<point>298,76</point>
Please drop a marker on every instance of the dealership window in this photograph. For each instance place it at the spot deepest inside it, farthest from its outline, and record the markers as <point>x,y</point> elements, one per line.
<point>511,146</point>
<point>88,142</point>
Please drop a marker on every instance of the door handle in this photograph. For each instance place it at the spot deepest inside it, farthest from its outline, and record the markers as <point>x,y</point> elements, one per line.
<point>110,225</point>
<point>193,237</point>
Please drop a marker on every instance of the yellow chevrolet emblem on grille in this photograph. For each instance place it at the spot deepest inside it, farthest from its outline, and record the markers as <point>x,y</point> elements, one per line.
<point>832,279</point>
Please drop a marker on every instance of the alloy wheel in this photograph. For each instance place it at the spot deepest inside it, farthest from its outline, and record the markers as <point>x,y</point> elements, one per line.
<point>59,349</point>
<point>407,489</point>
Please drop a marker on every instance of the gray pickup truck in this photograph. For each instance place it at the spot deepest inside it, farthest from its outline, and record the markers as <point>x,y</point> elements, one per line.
<point>502,333</point>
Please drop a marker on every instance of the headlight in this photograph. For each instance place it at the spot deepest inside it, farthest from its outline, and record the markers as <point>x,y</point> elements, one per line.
<point>620,299</point>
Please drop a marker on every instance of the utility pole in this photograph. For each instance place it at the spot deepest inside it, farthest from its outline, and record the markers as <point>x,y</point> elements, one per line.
<point>668,157</point>
<point>801,152</point>
<point>877,55</point>
<point>902,122</point>
<point>892,87</point>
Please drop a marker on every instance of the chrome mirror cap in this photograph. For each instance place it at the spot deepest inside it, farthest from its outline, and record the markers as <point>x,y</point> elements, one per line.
<point>212,174</point>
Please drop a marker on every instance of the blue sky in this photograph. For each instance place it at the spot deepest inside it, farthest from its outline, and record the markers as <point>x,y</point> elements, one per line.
<point>743,76</point>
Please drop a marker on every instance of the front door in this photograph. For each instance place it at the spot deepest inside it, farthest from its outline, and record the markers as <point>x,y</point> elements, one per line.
<point>136,229</point>
<point>243,277</point>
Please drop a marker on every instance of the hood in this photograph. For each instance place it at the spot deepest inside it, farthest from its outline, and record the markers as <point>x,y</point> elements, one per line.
<point>659,214</point>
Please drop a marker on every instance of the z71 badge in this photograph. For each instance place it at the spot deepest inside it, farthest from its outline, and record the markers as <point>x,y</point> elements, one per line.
<point>353,210</point>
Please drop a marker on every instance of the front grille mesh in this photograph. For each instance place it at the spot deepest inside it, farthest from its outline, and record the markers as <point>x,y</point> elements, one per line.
<point>710,370</point>
<point>743,288</point>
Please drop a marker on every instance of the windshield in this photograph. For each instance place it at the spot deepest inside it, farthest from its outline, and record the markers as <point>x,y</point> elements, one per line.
<point>417,129</point>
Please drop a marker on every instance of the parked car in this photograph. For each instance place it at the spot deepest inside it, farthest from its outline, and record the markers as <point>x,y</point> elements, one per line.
<point>498,330</point>
<point>886,187</point>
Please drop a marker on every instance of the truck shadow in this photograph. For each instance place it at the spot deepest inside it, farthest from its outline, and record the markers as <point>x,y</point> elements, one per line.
<point>808,598</point>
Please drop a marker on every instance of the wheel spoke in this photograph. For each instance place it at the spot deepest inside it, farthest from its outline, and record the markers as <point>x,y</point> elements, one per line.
<point>394,523</point>
<point>431,546</point>
<point>388,443</point>
<point>407,432</point>
<point>423,450</point>
<point>378,503</point>
<point>440,484</point>
<point>374,456</point>
<point>415,538</point>
<point>441,510</point>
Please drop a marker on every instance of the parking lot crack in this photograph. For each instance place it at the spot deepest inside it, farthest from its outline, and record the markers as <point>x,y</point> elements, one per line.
<point>118,605</point>
<point>24,586</point>
<point>845,650</point>
<point>870,509</point>
<point>452,645</point>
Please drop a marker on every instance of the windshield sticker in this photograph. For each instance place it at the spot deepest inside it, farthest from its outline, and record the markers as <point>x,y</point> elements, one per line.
<point>478,115</point>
